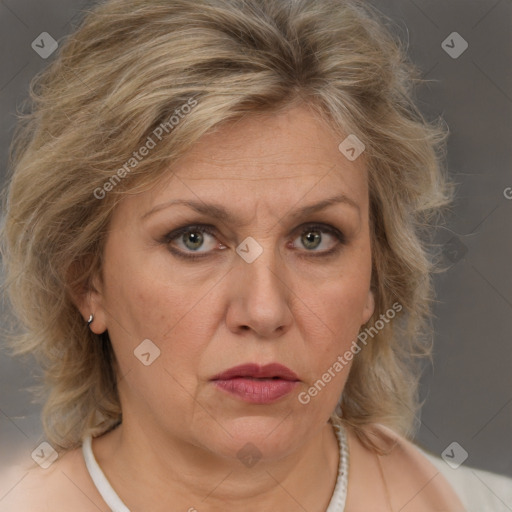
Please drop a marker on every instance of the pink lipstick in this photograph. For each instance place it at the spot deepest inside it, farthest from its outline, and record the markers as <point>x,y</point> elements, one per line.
<point>257,384</point>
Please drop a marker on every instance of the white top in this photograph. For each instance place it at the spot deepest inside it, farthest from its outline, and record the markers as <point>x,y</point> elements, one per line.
<point>478,490</point>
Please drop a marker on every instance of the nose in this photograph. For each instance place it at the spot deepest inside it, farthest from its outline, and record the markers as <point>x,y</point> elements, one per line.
<point>260,297</point>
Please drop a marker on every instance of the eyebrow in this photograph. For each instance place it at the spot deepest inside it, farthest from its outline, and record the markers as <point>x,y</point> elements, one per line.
<point>219,212</point>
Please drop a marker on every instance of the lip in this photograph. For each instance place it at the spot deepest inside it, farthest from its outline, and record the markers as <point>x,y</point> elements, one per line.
<point>257,384</point>
<point>255,371</point>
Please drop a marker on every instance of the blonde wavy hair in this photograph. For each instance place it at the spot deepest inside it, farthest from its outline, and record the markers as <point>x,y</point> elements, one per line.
<point>122,74</point>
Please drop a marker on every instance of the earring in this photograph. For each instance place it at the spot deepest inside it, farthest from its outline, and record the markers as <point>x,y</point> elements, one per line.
<point>91,318</point>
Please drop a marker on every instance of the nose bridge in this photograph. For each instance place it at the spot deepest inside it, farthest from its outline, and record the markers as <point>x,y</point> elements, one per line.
<point>261,269</point>
<point>262,296</point>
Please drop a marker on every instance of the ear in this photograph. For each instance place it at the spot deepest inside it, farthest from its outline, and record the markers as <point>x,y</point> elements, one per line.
<point>90,301</point>
<point>369,307</point>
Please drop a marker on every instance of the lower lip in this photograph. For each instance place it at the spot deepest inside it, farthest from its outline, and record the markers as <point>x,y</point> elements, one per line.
<point>257,391</point>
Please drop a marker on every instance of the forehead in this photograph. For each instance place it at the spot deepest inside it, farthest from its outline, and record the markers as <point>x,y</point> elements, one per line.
<point>294,142</point>
<point>273,160</point>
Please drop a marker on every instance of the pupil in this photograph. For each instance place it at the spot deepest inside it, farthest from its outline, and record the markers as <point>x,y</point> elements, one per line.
<point>312,237</point>
<point>195,238</point>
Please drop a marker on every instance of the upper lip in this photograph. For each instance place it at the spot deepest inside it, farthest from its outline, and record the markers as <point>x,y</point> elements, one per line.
<point>258,372</point>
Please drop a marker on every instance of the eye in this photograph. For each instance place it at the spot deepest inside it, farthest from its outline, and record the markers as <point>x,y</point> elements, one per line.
<point>312,237</point>
<point>190,239</point>
<point>198,241</point>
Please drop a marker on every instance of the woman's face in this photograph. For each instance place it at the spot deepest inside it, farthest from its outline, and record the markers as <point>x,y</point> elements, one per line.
<point>250,272</point>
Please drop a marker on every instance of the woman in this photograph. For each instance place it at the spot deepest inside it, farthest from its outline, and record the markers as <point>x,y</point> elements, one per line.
<point>214,241</point>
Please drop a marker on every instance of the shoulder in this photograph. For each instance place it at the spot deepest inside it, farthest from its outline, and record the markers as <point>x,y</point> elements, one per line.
<point>477,489</point>
<point>474,488</point>
<point>63,486</point>
<point>414,483</point>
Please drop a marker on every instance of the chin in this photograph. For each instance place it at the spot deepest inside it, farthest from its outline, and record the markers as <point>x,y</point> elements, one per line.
<point>264,437</point>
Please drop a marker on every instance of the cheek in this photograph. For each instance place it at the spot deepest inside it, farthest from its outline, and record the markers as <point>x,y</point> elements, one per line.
<point>331,322</point>
<point>339,300</point>
<point>344,303</point>
<point>146,301</point>
<point>143,304</point>
<point>330,334</point>
<point>332,318</point>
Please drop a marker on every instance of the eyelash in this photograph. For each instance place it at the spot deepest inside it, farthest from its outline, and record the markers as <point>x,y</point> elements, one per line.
<point>205,228</point>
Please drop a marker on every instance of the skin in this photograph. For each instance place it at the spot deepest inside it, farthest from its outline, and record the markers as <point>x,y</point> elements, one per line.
<point>210,314</point>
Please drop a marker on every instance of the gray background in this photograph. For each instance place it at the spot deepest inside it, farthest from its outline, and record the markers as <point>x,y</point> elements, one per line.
<point>468,390</point>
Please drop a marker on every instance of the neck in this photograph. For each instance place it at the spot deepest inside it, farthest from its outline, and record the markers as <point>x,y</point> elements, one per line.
<point>180,476</point>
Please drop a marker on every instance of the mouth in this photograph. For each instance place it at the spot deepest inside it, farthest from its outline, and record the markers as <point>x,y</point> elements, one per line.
<point>257,372</point>
<point>257,384</point>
